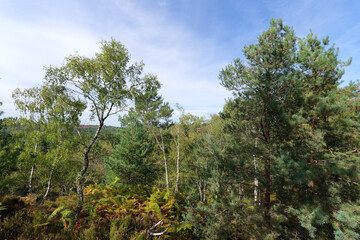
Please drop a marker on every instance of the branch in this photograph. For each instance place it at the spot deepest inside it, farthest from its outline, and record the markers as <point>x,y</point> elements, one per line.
<point>109,111</point>
<point>156,234</point>
<point>88,96</point>
<point>154,134</point>
<point>132,227</point>
<point>78,132</point>
<point>348,181</point>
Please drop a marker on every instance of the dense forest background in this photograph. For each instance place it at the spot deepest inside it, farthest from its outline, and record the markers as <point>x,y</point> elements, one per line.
<point>280,161</point>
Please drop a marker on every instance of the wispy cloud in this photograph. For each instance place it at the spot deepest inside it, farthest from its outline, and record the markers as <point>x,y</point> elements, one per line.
<point>185,43</point>
<point>187,66</point>
<point>27,47</point>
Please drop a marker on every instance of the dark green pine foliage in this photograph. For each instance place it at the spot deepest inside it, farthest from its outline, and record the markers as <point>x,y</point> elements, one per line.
<point>150,106</point>
<point>155,114</point>
<point>131,160</point>
<point>291,118</point>
<point>265,96</point>
<point>317,171</point>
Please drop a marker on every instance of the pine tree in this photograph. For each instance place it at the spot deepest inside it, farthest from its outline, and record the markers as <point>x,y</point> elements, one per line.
<point>131,160</point>
<point>291,116</point>
<point>265,87</point>
<point>318,164</point>
<point>155,114</point>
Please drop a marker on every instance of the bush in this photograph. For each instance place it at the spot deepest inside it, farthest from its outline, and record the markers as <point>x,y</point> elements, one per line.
<point>109,212</point>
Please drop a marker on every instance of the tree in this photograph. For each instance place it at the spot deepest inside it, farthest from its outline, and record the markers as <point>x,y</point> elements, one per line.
<point>321,150</point>
<point>155,114</point>
<point>46,127</point>
<point>131,159</point>
<point>106,82</point>
<point>8,154</point>
<point>265,90</point>
<point>188,134</point>
<point>287,112</point>
<point>175,133</point>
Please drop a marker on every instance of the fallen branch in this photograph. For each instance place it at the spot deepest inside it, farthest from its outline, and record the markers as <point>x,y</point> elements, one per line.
<point>154,226</point>
<point>132,227</point>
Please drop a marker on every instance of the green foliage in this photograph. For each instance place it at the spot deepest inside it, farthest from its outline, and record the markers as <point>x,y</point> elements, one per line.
<point>150,106</point>
<point>131,160</point>
<point>347,221</point>
<point>106,83</point>
<point>109,212</point>
<point>293,129</point>
<point>44,136</point>
<point>9,152</point>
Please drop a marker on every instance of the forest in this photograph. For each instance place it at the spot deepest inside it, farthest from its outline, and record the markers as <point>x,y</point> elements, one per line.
<point>280,161</point>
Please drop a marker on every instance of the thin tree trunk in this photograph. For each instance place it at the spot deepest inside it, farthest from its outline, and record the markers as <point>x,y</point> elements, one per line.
<point>162,147</point>
<point>80,176</point>
<point>256,183</point>
<point>256,180</point>
<point>177,144</point>
<point>49,183</point>
<point>198,179</point>
<point>200,191</point>
<point>165,162</point>
<point>267,203</point>
<point>32,171</point>
<point>204,184</point>
<point>31,178</point>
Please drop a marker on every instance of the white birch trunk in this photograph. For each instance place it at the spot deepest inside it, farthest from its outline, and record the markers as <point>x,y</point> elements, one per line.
<point>32,171</point>
<point>177,144</point>
<point>49,182</point>
<point>165,162</point>
<point>256,181</point>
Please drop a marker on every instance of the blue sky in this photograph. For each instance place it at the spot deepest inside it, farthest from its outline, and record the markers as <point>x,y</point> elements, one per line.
<point>184,42</point>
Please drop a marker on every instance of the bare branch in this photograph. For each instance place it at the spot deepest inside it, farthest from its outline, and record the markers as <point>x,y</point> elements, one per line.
<point>154,226</point>
<point>78,131</point>
<point>109,111</point>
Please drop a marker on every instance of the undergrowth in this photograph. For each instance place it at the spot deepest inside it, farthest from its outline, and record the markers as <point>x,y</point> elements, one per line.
<point>109,212</point>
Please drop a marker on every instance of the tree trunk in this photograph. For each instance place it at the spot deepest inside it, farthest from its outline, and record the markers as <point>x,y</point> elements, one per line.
<point>165,163</point>
<point>256,180</point>
<point>49,183</point>
<point>267,203</point>
<point>198,179</point>
<point>204,184</point>
<point>177,144</point>
<point>32,171</point>
<point>31,178</point>
<point>80,176</point>
<point>256,184</point>
<point>162,148</point>
<point>200,191</point>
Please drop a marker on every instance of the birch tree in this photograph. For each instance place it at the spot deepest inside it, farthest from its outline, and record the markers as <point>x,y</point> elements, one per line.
<point>155,114</point>
<point>106,82</point>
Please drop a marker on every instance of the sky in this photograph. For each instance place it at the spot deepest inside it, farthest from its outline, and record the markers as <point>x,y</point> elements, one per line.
<point>184,42</point>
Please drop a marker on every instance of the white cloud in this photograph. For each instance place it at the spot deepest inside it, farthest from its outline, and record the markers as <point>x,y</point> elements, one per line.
<point>27,47</point>
<point>186,65</point>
